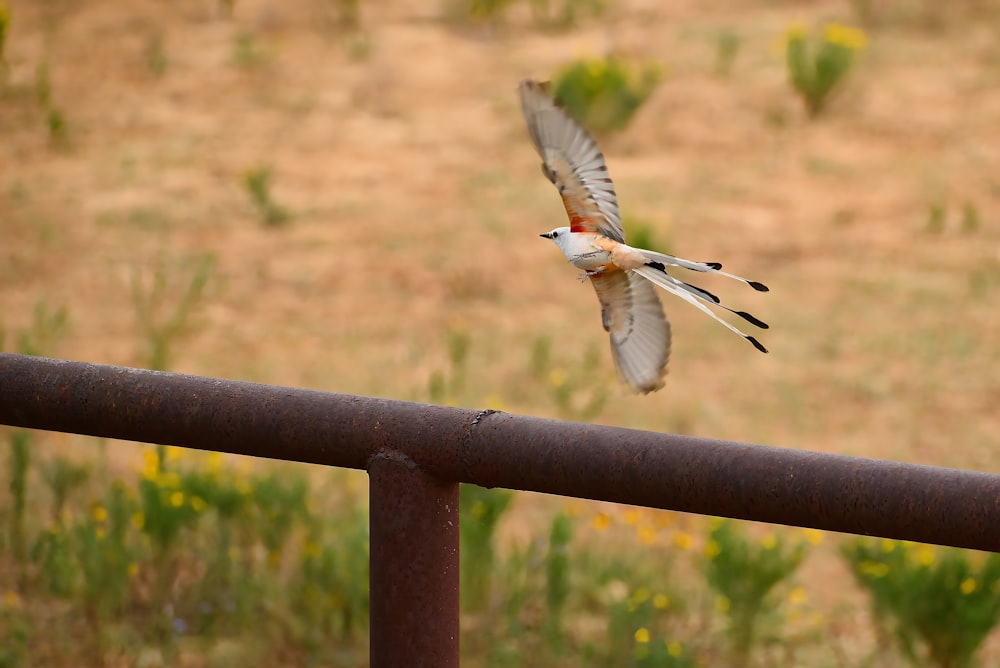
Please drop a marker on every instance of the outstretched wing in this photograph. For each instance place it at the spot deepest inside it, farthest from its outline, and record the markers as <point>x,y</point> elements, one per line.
<point>573,163</point>
<point>640,333</point>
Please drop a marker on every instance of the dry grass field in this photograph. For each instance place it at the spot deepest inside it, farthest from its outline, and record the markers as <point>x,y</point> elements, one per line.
<point>415,203</point>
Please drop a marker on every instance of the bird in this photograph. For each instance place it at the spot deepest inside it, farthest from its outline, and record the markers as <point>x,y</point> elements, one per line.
<point>594,241</point>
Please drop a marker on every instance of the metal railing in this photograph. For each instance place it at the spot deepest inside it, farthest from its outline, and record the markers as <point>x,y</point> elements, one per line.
<point>416,454</point>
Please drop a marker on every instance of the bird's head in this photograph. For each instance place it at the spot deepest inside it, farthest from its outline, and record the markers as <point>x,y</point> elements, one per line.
<point>559,235</point>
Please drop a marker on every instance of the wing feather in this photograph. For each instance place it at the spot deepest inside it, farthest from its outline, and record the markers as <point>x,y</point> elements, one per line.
<point>573,162</point>
<point>640,333</point>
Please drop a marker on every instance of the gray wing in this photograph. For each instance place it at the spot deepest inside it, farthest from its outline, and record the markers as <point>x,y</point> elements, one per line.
<point>572,161</point>
<point>640,333</point>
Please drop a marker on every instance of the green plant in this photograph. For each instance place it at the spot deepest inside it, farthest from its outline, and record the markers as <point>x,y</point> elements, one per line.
<point>565,14</point>
<point>818,66</point>
<point>939,604</point>
<point>106,561</point>
<point>248,52</point>
<point>20,459</point>
<point>743,573</point>
<point>40,338</point>
<point>482,11</point>
<point>257,181</point>
<point>330,589</point>
<point>605,93</point>
<point>557,576</point>
<point>727,46</point>
<point>55,120</point>
<point>580,393</point>
<point>4,31</point>
<point>346,13</point>
<point>970,218</point>
<point>280,502</point>
<point>445,387</point>
<point>642,234</point>
<point>479,511</point>
<point>156,57</point>
<point>164,301</point>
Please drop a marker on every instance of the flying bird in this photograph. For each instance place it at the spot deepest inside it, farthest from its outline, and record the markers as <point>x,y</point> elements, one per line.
<point>594,241</point>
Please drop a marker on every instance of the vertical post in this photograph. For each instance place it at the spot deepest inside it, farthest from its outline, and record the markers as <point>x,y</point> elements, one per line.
<point>413,561</point>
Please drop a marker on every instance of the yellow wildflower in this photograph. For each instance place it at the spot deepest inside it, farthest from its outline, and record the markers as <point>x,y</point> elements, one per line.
<point>646,535</point>
<point>674,648</point>
<point>177,499</point>
<point>968,586</point>
<point>847,37</point>
<point>925,555</point>
<point>813,536</point>
<point>873,569</point>
<point>642,635</point>
<point>769,542</point>
<point>712,549</point>
<point>722,604</point>
<point>99,513</point>
<point>214,460</point>
<point>198,504</point>
<point>150,464</point>
<point>661,602</point>
<point>174,453</point>
<point>12,600</point>
<point>640,595</point>
<point>685,541</point>
<point>601,521</point>
<point>797,596</point>
<point>478,509</point>
<point>632,516</point>
<point>495,401</point>
<point>796,31</point>
<point>133,569</point>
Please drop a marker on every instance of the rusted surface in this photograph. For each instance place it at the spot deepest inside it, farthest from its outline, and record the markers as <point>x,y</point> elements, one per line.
<point>414,565</point>
<point>795,487</point>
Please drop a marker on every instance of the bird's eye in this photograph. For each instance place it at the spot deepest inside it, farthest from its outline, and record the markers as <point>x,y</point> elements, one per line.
<point>555,234</point>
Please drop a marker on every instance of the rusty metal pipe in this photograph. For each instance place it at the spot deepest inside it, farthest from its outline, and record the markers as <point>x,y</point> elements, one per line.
<point>849,494</point>
<point>413,579</point>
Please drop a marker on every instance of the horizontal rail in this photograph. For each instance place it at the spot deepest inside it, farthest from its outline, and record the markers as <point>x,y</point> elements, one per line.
<point>738,480</point>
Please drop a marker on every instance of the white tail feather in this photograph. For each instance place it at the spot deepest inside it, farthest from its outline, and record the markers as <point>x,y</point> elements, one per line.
<point>691,295</point>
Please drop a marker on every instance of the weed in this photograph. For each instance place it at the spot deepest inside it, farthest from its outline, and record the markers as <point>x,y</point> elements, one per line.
<point>727,46</point>
<point>565,14</point>
<point>970,218</point>
<point>479,512</point>
<point>445,387</point>
<point>346,14</point>
<point>578,388</point>
<point>40,338</point>
<point>605,93</point>
<point>743,574</point>
<point>936,216</point>
<point>164,302</point>
<point>938,603</point>
<point>817,67</point>
<point>249,54</point>
<point>484,11</point>
<point>642,234</point>
<point>4,33</point>
<point>257,181</point>
<point>557,576</point>
<point>156,57</point>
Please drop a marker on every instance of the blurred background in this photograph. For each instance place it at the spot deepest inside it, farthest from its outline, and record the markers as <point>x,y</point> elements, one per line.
<point>341,195</point>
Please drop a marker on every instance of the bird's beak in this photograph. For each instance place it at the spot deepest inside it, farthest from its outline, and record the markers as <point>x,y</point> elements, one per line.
<point>547,235</point>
